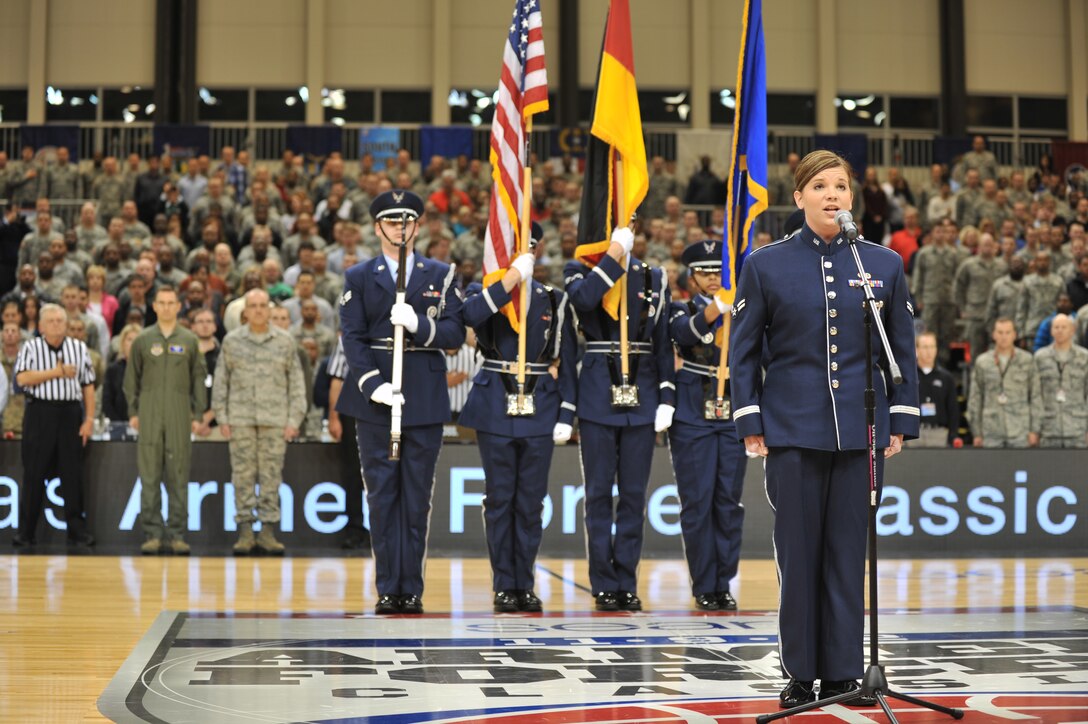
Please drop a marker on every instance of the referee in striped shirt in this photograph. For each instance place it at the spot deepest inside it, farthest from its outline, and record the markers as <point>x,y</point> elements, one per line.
<point>342,430</point>
<point>55,372</point>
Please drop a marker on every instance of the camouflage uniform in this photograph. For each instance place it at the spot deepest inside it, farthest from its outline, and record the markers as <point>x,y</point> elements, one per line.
<point>1063,383</point>
<point>12,420</point>
<point>110,191</point>
<point>982,161</point>
<point>89,239</point>
<point>1003,409</point>
<point>934,271</point>
<point>967,202</point>
<point>63,183</point>
<point>1004,301</point>
<point>25,190</point>
<point>1038,300</point>
<point>258,391</point>
<point>971,289</point>
<point>33,244</point>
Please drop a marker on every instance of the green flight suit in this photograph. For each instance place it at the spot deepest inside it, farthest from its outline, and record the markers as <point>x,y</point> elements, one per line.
<point>165,388</point>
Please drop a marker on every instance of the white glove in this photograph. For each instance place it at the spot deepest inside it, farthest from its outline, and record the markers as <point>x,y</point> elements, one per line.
<point>624,237</point>
<point>663,417</point>
<point>722,306</point>
<point>403,315</point>
<point>524,264</point>
<point>562,432</point>
<point>383,395</point>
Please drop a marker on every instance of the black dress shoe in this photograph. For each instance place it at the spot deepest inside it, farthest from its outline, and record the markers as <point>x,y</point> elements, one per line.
<point>505,602</point>
<point>628,601</point>
<point>706,602</point>
<point>606,601</point>
<point>386,605</point>
<point>20,541</point>
<point>412,604</point>
<point>726,602</point>
<point>796,693</point>
<point>83,539</point>
<point>529,602</point>
<point>829,689</point>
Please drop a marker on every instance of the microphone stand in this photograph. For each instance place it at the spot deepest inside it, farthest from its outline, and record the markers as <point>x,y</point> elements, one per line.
<point>874,683</point>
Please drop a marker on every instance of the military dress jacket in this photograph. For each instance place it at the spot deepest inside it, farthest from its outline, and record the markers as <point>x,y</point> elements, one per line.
<point>695,341</point>
<point>653,368</point>
<point>369,293</point>
<point>799,313</point>
<point>549,336</point>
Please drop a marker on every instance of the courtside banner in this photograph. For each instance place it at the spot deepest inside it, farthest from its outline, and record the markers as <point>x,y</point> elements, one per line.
<point>936,503</point>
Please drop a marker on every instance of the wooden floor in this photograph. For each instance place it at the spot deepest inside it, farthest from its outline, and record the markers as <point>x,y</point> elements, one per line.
<point>67,623</point>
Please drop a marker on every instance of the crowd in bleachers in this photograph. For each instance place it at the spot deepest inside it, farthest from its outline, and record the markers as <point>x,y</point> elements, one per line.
<point>979,243</point>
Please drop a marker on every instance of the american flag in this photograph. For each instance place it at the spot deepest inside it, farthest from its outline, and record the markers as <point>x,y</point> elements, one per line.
<point>523,91</point>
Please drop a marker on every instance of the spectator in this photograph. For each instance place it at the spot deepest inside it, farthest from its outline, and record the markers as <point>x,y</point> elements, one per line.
<point>1077,288</point>
<point>935,267</point>
<point>937,395</point>
<point>192,185</point>
<point>304,230</point>
<point>905,241</point>
<point>1044,337</point>
<point>11,341</point>
<point>941,205</point>
<point>968,199</point>
<point>109,190</point>
<point>114,406</point>
<point>38,240</point>
<point>1038,296</point>
<point>13,230</point>
<point>875,219</point>
<point>704,187</point>
<point>971,288</point>
<point>173,203</point>
<point>259,249</point>
<point>310,326</point>
<point>232,315</point>
<point>979,159</point>
<point>215,203</point>
<point>1004,406</point>
<point>24,179</point>
<point>77,330</point>
<point>1063,385</point>
<point>305,289</point>
<point>62,180</point>
<point>272,276</point>
<point>137,288</point>
<point>327,286</point>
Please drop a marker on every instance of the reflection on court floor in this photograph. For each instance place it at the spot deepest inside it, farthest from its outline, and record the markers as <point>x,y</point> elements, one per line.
<point>1015,664</point>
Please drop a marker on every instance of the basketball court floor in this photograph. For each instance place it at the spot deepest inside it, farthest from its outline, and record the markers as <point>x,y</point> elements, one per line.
<point>208,639</point>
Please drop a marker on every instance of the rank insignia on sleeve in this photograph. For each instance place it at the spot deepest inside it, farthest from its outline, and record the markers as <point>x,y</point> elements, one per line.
<point>738,306</point>
<point>910,308</point>
<point>345,297</point>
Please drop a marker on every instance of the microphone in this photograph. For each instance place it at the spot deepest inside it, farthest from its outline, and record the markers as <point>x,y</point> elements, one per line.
<point>845,220</point>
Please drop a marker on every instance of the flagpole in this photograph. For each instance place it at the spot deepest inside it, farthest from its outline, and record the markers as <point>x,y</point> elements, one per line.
<point>733,240</point>
<point>621,217</point>
<point>523,247</point>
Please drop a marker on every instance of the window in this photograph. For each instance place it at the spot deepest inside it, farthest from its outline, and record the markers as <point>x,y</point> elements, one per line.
<point>12,105</point>
<point>349,106</point>
<point>71,104</point>
<point>665,106</point>
<point>220,104</point>
<point>1043,113</point>
<point>791,109</point>
<point>723,106</point>
<point>989,111</point>
<point>128,104</point>
<point>861,111</point>
<point>286,104</point>
<point>472,105</point>
<point>400,106</point>
<point>915,113</point>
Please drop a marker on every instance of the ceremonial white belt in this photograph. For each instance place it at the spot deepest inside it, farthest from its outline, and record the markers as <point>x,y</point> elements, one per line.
<point>704,370</point>
<point>511,368</point>
<point>614,347</point>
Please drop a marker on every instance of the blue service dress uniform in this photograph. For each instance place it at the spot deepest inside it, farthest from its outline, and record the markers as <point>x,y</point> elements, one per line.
<point>707,458</point>
<point>398,492</point>
<point>617,443</point>
<point>517,450</point>
<point>799,314</point>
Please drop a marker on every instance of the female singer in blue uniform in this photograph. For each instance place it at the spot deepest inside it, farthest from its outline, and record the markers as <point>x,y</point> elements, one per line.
<point>798,313</point>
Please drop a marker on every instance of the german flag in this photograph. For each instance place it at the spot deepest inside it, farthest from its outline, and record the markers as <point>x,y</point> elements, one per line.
<point>615,143</point>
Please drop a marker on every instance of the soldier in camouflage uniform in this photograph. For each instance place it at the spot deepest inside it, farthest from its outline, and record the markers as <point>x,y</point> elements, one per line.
<point>1063,383</point>
<point>1004,300</point>
<point>967,200</point>
<point>971,289</point>
<point>110,191</point>
<point>63,181</point>
<point>259,400</point>
<point>1039,297</point>
<point>25,179</point>
<point>935,267</point>
<point>1004,406</point>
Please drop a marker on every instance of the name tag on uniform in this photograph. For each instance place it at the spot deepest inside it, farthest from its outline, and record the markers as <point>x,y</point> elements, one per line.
<point>177,349</point>
<point>929,409</point>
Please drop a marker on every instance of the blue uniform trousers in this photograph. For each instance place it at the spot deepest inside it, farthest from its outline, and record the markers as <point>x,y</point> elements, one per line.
<point>709,464</point>
<point>821,503</point>
<point>615,455</point>
<point>517,481</point>
<point>398,495</point>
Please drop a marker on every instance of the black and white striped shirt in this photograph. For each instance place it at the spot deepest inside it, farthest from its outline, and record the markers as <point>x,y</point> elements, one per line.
<point>37,356</point>
<point>338,363</point>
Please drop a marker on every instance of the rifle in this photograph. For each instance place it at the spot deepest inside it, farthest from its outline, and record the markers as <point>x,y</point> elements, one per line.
<point>398,345</point>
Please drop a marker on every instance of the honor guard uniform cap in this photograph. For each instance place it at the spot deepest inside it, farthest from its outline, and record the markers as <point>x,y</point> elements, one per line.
<point>536,232</point>
<point>395,203</point>
<point>704,256</point>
